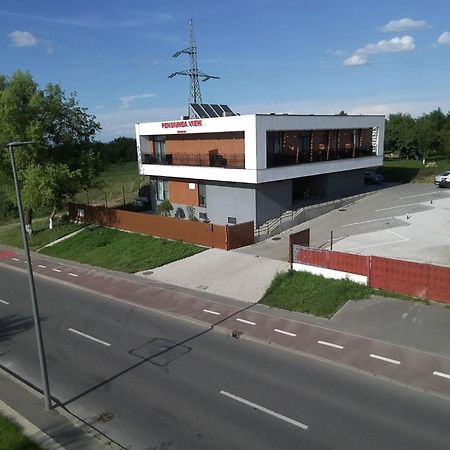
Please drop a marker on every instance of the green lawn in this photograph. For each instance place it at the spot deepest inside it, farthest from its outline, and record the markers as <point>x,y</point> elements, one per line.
<point>410,170</point>
<point>118,250</point>
<point>12,234</point>
<point>12,439</point>
<point>115,179</point>
<point>314,294</point>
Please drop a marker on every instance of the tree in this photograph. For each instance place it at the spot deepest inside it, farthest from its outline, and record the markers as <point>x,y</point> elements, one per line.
<point>400,135</point>
<point>62,161</point>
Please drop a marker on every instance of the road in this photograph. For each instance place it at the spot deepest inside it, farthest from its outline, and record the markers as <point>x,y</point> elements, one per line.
<point>150,381</point>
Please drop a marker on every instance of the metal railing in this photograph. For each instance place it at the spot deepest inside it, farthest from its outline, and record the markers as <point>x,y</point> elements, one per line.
<point>226,160</point>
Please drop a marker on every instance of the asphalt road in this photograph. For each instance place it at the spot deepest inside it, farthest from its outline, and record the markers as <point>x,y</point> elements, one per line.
<point>153,382</point>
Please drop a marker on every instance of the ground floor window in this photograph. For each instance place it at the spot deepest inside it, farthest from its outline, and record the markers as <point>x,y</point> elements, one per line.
<point>202,195</point>
<point>162,189</point>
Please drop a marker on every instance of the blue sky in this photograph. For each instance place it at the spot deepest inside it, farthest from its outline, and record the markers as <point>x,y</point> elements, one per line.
<point>306,56</point>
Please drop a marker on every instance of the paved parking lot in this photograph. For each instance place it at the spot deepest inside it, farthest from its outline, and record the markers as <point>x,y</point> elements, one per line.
<point>410,221</point>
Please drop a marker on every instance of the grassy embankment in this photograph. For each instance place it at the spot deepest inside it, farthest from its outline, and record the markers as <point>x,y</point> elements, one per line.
<point>314,294</point>
<point>12,439</point>
<point>410,170</point>
<point>118,250</point>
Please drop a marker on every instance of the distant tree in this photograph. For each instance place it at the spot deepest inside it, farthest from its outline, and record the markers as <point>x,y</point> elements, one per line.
<point>62,161</point>
<point>400,135</point>
<point>121,149</point>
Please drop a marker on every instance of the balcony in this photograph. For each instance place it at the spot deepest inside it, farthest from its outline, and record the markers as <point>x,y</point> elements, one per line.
<point>226,160</point>
<point>288,159</point>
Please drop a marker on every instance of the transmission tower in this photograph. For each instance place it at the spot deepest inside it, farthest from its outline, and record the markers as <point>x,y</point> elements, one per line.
<point>193,73</point>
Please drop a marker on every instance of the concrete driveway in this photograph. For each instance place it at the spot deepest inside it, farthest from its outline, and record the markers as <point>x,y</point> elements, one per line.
<point>409,221</point>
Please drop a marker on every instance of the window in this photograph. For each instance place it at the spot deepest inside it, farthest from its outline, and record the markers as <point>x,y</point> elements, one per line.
<point>202,195</point>
<point>202,216</point>
<point>160,146</point>
<point>232,220</point>
<point>162,190</point>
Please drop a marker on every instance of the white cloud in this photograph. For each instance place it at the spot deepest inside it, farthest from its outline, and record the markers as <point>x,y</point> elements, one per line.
<point>396,44</point>
<point>444,38</point>
<point>337,52</point>
<point>22,39</point>
<point>129,99</point>
<point>355,60</point>
<point>405,24</point>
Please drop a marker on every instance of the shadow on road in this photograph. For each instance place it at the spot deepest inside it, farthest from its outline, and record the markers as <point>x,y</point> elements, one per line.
<point>14,324</point>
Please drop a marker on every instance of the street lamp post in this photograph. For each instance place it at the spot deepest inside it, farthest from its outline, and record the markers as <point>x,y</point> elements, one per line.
<point>37,322</point>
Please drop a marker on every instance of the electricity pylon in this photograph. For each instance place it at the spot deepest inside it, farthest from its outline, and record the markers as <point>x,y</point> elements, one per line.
<point>195,96</point>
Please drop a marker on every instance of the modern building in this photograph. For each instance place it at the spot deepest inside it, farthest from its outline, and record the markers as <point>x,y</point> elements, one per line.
<point>236,168</point>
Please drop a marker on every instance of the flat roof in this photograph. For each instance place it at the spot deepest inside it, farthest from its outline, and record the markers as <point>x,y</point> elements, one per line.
<point>319,115</point>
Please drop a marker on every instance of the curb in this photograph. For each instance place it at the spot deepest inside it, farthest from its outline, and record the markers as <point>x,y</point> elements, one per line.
<point>29,430</point>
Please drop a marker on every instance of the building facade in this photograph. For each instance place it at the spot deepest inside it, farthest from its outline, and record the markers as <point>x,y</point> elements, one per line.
<point>254,167</point>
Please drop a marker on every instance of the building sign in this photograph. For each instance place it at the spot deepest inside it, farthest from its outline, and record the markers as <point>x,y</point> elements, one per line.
<point>182,123</point>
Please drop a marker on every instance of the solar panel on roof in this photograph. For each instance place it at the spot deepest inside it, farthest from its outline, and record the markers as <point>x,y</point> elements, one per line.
<point>201,113</point>
<point>218,110</point>
<point>206,110</point>
<point>209,110</point>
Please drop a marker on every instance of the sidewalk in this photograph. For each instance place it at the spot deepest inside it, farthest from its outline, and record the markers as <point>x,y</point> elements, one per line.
<point>405,342</point>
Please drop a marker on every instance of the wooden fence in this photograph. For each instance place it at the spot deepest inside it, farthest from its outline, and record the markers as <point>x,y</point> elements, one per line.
<point>225,237</point>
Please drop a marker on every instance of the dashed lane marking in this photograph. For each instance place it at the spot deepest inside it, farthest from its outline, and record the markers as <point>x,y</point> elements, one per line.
<point>287,333</point>
<point>441,374</point>
<point>87,336</point>
<point>383,358</point>
<point>56,270</point>
<point>265,410</point>
<point>41,266</point>
<point>4,302</point>
<point>73,274</point>
<point>330,344</point>
<point>15,259</point>
<point>246,321</point>
<point>211,312</point>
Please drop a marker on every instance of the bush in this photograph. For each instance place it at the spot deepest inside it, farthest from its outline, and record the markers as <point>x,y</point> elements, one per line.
<point>164,208</point>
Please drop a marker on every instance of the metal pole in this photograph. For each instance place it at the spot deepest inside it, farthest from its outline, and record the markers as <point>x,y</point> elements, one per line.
<point>331,240</point>
<point>37,322</point>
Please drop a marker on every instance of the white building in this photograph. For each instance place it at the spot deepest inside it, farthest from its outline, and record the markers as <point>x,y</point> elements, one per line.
<point>237,168</point>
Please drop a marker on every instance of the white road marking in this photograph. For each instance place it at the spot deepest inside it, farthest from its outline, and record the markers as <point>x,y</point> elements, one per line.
<point>265,410</point>
<point>211,312</point>
<point>330,344</point>
<point>399,206</point>
<point>15,259</point>
<point>56,270</point>
<point>246,321</point>
<point>367,221</point>
<point>383,358</point>
<point>417,195</point>
<point>73,274</point>
<point>87,336</point>
<point>41,266</point>
<point>4,302</point>
<point>285,332</point>
<point>441,374</point>
<point>403,238</point>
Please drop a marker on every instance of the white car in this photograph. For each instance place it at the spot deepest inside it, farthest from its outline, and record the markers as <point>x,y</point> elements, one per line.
<point>442,177</point>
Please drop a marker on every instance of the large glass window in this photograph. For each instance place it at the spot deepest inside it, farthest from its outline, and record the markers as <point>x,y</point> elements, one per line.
<point>162,189</point>
<point>160,146</point>
<point>202,195</point>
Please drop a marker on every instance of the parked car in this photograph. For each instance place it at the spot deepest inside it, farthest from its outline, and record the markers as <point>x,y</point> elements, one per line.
<point>442,177</point>
<point>445,181</point>
<point>373,178</point>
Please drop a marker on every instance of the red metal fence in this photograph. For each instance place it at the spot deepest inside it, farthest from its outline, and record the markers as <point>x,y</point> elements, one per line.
<point>410,278</point>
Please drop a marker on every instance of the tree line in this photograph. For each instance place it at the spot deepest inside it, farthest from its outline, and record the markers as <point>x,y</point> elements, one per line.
<point>424,137</point>
<point>64,158</point>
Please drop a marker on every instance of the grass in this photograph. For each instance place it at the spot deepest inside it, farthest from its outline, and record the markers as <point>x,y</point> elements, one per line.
<point>314,294</point>
<point>410,170</point>
<point>115,180</point>
<point>12,439</point>
<point>118,250</point>
<point>12,234</point>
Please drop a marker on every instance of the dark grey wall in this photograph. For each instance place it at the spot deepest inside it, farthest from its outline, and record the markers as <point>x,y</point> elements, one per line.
<point>271,198</point>
<point>230,200</point>
<point>341,184</point>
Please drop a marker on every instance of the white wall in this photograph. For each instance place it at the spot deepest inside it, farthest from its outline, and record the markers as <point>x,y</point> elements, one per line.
<point>329,273</point>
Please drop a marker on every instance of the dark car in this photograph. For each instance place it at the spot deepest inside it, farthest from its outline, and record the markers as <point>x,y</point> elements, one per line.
<point>373,178</point>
